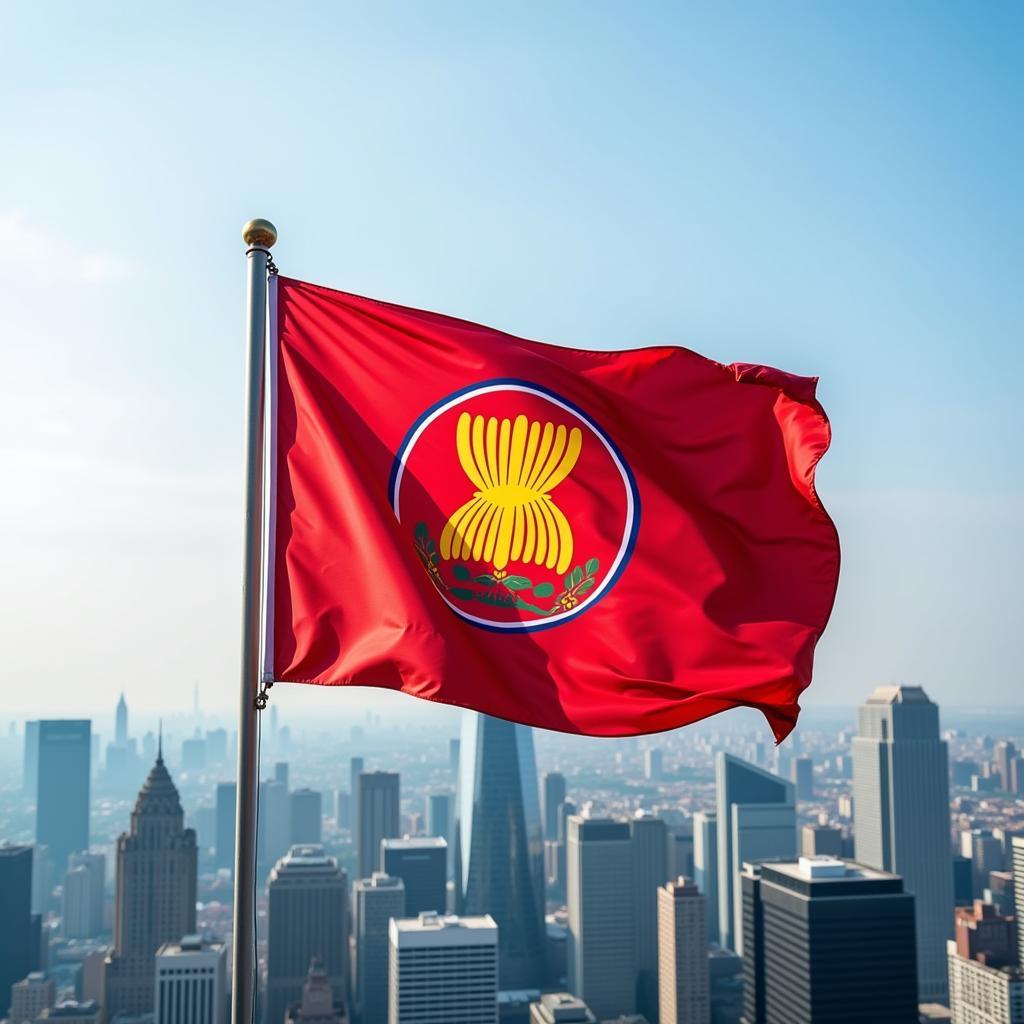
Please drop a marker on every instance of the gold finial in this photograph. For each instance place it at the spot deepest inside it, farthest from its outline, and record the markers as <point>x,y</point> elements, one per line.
<point>260,233</point>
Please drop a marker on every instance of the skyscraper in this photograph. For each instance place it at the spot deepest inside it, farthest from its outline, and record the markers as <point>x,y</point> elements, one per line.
<point>274,821</point>
<point>827,942</point>
<point>802,776</point>
<point>705,866</point>
<point>62,809</point>
<point>191,982</point>
<point>653,762</point>
<point>307,906</point>
<point>121,722</point>
<point>649,836</point>
<point>155,895</point>
<point>683,977</point>
<point>30,763</point>
<point>83,895</point>
<point>377,816</point>
<point>421,863</point>
<point>443,969</point>
<point>355,769</point>
<point>305,815</point>
<point>755,818</point>
<point>499,851</point>
<point>901,815</point>
<point>1004,754</point>
<point>440,822</point>
<point>602,915</point>
<point>377,899</point>
<point>16,918</point>
<point>224,848</point>
<point>554,794</point>
<point>986,853</point>
<point>1017,866</point>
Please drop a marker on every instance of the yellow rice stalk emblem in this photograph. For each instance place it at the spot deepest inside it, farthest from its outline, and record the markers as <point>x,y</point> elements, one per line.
<point>511,516</point>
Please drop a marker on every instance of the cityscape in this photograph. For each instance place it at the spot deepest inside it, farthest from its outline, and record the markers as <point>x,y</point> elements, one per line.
<point>864,869</point>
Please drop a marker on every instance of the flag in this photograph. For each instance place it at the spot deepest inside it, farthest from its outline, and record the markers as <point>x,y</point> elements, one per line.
<point>609,543</point>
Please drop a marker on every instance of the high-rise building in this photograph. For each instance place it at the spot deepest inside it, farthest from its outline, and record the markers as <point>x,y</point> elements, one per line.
<point>224,848</point>
<point>62,808</point>
<point>986,853</point>
<point>121,722</point>
<point>602,915</point>
<point>454,755</point>
<point>1003,754</point>
<point>443,969</point>
<point>1017,867</point>
<point>31,996</point>
<point>216,747</point>
<point>305,816</point>
<point>982,933</point>
<point>155,893</point>
<point>377,899</point>
<point>15,919</point>
<point>802,776</point>
<point>499,851</point>
<point>318,1005</point>
<point>307,907</point>
<point>705,866</point>
<point>653,764</point>
<point>756,819</point>
<point>980,993</point>
<point>274,837</point>
<point>821,841</point>
<point>355,769</point>
<point>30,764</point>
<point>826,940</point>
<point>377,816</point>
<point>680,850</point>
<point>901,815</point>
<point>440,821</point>
<point>561,1008</point>
<point>683,977</point>
<point>84,885</point>
<point>650,872</point>
<point>421,863</point>
<point>554,794</point>
<point>191,982</point>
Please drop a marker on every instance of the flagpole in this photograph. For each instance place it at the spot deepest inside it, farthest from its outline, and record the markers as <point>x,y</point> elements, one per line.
<point>259,236</point>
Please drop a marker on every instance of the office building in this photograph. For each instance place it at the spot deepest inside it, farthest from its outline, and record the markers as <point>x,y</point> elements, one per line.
<point>274,825</point>
<point>71,1011</point>
<point>561,1008</point>
<point>377,816</point>
<point>31,996</point>
<point>726,985</point>
<point>306,911</point>
<point>216,747</point>
<point>649,836</point>
<point>376,900</point>
<point>318,1005</point>
<point>684,994</point>
<point>821,841</point>
<point>653,764</point>
<point>155,893</point>
<point>30,765</point>
<point>986,853</point>
<point>827,941</point>
<point>191,982</point>
<point>756,819</point>
<point>62,807</point>
<point>499,851</point>
<point>440,822</point>
<point>680,850</point>
<point>602,915</point>
<point>1004,754</point>
<point>82,898</point>
<point>356,766</point>
<point>443,969</point>
<point>982,933</point>
<point>305,814</point>
<point>1000,892</point>
<point>980,993</point>
<point>454,755</point>
<point>224,846</point>
<point>422,865</point>
<point>901,815</point>
<point>705,866</point>
<point>16,958</point>
<point>554,795</point>
<point>1017,867</point>
<point>121,721</point>
<point>802,776</point>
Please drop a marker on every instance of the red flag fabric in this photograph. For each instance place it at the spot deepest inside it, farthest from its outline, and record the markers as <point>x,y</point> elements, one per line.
<point>609,543</point>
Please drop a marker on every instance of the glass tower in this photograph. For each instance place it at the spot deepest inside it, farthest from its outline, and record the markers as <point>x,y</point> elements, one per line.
<point>499,844</point>
<point>62,808</point>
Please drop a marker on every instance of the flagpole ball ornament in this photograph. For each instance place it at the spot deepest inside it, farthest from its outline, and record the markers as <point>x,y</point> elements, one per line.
<point>259,233</point>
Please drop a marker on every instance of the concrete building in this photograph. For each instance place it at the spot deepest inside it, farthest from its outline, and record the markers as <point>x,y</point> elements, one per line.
<point>602,915</point>
<point>318,1005</point>
<point>684,995</point>
<point>986,853</point>
<point>827,941</point>
<point>82,900</point>
<point>30,997</point>
<point>560,1008</point>
<point>705,866</point>
<point>980,994</point>
<point>274,826</point>
<point>377,816</point>
<point>649,836</point>
<point>191,982</point>
<point>901,815</point>
<point>443,969</point>
<point>16,958</point>
<point>305,813</point>
<point>421,863</point>
<point>307,908</point>
<point>376,900</point>
<point>983,934</point>
<point>62,803</point>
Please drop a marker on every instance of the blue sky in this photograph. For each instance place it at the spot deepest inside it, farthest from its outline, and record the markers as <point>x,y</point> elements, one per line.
<point>831,188</point>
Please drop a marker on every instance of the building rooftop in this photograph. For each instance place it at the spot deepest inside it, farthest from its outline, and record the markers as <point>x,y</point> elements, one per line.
<point>430,929</point>
<point>559,1007</point>
<point>416,843</point>
<point>898,695</point>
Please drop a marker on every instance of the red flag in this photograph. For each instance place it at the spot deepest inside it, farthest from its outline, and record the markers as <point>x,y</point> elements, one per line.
<point>608,543</point>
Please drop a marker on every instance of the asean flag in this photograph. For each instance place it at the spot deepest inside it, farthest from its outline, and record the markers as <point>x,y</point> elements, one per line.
<point>600,542</point>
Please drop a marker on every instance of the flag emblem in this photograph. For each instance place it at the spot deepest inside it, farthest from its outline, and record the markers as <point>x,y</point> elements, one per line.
<point>520,507</point>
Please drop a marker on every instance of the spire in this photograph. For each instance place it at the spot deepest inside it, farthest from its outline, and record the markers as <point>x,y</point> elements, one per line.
<point>160,743</point>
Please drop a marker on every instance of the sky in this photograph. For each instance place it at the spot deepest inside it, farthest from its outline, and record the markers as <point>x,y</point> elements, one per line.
<point>833,188</point>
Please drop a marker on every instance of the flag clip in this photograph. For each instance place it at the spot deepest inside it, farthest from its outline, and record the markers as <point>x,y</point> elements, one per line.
<point>263,697</point>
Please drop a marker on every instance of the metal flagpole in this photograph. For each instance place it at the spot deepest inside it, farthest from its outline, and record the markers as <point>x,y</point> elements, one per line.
<point>259,236</point>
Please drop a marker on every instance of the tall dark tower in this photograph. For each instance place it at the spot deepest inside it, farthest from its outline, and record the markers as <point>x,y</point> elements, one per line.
<point>499,845</point>
<point>155,898</point>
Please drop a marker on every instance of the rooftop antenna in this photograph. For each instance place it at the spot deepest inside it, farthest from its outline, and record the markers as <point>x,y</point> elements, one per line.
<point>160,742</point>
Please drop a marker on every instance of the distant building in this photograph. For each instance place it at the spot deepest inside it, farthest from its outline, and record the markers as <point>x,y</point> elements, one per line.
<point>901,804</point>
<point>84,887</point>
<point>306,911</point>
<point>377,900</point>
<point>683,977</point>
<point>355,769</point>
<point>821,841</point>
<point>62,803</point>
<point>1004,754</point>
<point>705,866</point>
<point>274,825</point>
<point>16,958</point>
<point>193,754</point>
<point>443,969</point>
<point>191,982</point>
<point>985,935</point>
<point>305,816</point>
<point>1000,892</point>
<point>318,1005</point>
<point>224,850</point>
<point>802,776</point>
<point>986,853</point>
<point>980,994</point>
<point>649,836</point>
<point>1017,866</point>
<point>602,915</point>
<point>155,894</point>
<point>377,814</point>
<point>421,863</point>
<point>30,766</point>
<point>554,794</point>
<point>726,983</point>
<point>827,940</point>
<point>654,764</point>
<point>85,1011</point>
<point>561,1008</point>
<point>30,997</point>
